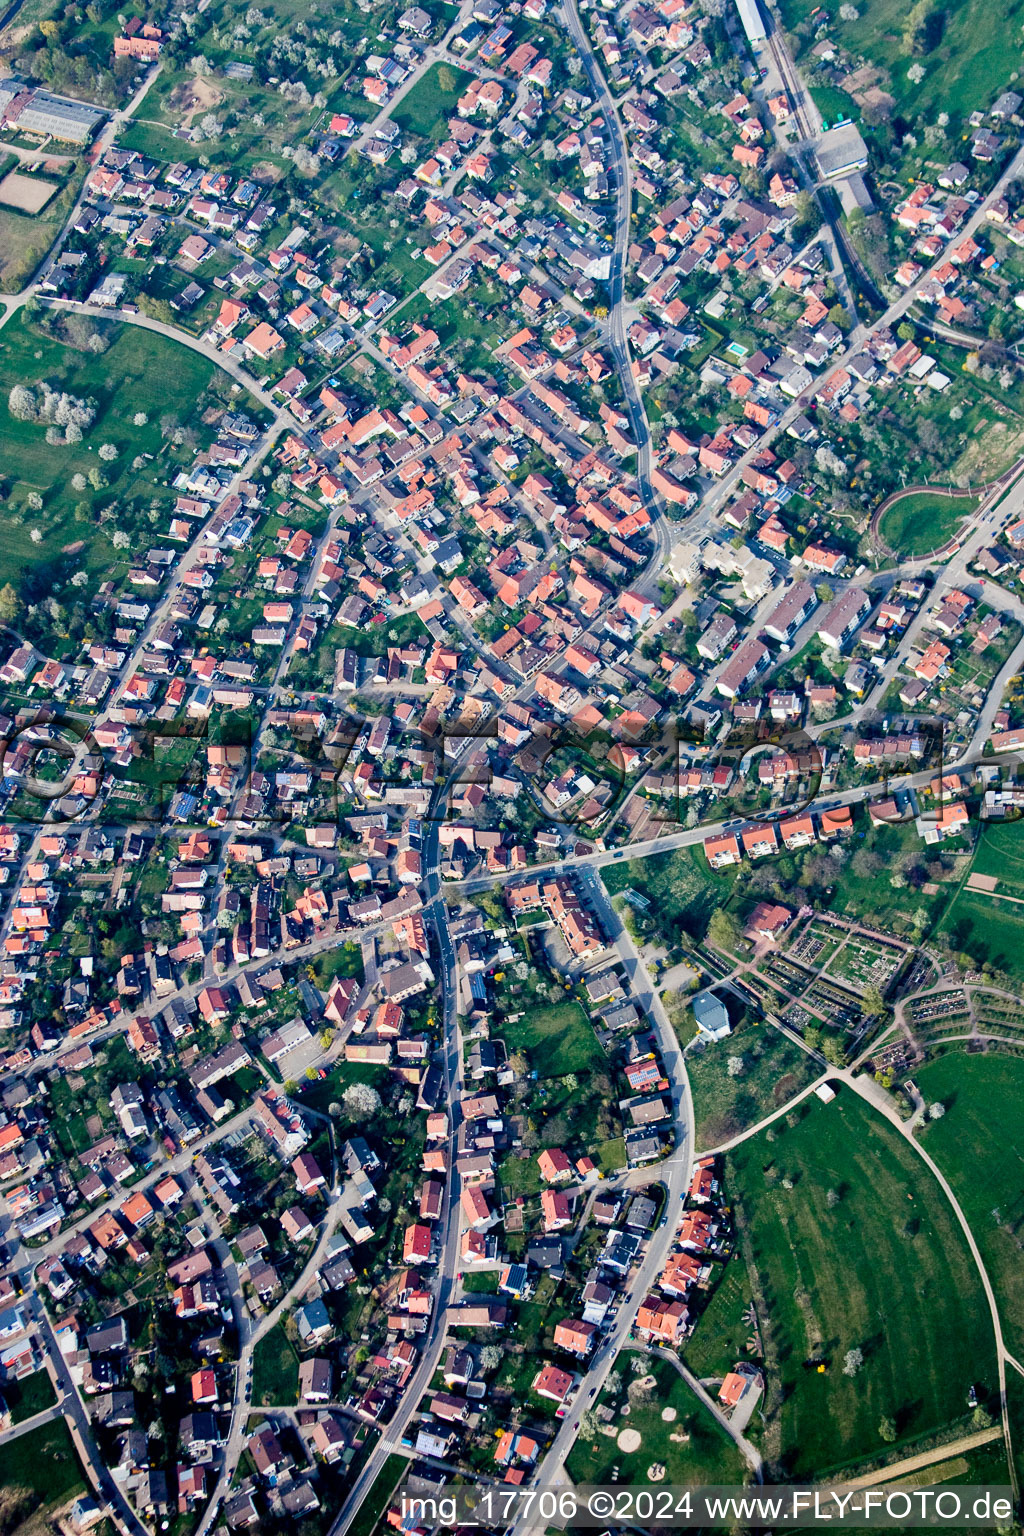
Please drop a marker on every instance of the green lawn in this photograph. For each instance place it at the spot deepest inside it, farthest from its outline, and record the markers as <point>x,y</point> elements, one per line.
<point>923,521</point>
<point>977,924</point>
<point>43,1463</point>
<point>708,1456</point>
<point>774,1069</point>
<point>882,1268</point>
<point>718,1341</point>
<point>557,1040</point>
<point>432,100</point>
<point>983,1130</point>
<point>1000,852</point>
<point>275,1369</point>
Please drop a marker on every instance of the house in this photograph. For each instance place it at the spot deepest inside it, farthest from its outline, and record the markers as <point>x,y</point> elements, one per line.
<point>711,1015</point>
<point>315,1380</point>
<point>313,1322</point>
<point>555,1209</point>
<point>552,1383</point>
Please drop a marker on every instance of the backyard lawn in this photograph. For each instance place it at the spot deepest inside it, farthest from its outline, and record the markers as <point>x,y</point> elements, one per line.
<point>923,521</point>
<point>851,1245</point>
<point>688,1443</point>
<point>983,1129</point>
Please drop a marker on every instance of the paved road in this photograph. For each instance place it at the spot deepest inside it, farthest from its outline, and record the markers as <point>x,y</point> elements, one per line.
<point>617,318</point>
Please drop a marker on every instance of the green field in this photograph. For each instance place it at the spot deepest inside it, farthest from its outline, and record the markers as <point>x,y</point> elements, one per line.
<point>27,1398</point>
<point>983,1129</point>
<point>557,1040</point>
<point>44,1464</point>
<point>923,521</point>
<point>708,1456</point>
<point>26,238</point>
<point>977,925</point>
<point>1000,852</point>
<point>774,1069</point>
<point>139,372</point>
<point>880,1265</point>
<point>275,1369</point>
<point>430,103</point>
<point>964,70</point>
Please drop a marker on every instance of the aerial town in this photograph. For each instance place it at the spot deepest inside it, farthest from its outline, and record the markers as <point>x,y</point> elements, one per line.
<point>512,717</point>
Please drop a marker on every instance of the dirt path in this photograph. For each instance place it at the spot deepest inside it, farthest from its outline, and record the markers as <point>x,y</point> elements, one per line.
<point>925,1459</point>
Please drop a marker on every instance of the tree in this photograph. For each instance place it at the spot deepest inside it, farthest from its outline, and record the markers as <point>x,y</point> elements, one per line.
<point>10,605</point>
<point>107,452</point>
<point>887,1430</point>
<point>936,1111</point>
<point>872,1003</point>
<point>361,1101</point>
<point>905,331</point>
<point>491,1357</point>
<point>21,403</point>
<point>832,1198</point>
<point>833,1052</point>
<point>853,1362</point>
<point>723,930</point>
<point>734,1066</point>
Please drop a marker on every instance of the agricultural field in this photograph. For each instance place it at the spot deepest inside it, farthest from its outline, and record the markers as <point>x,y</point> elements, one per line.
<point>983,1128</point>
<point>727,1101</point>
<point>851,1245</point>
<point>673,1430</point>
